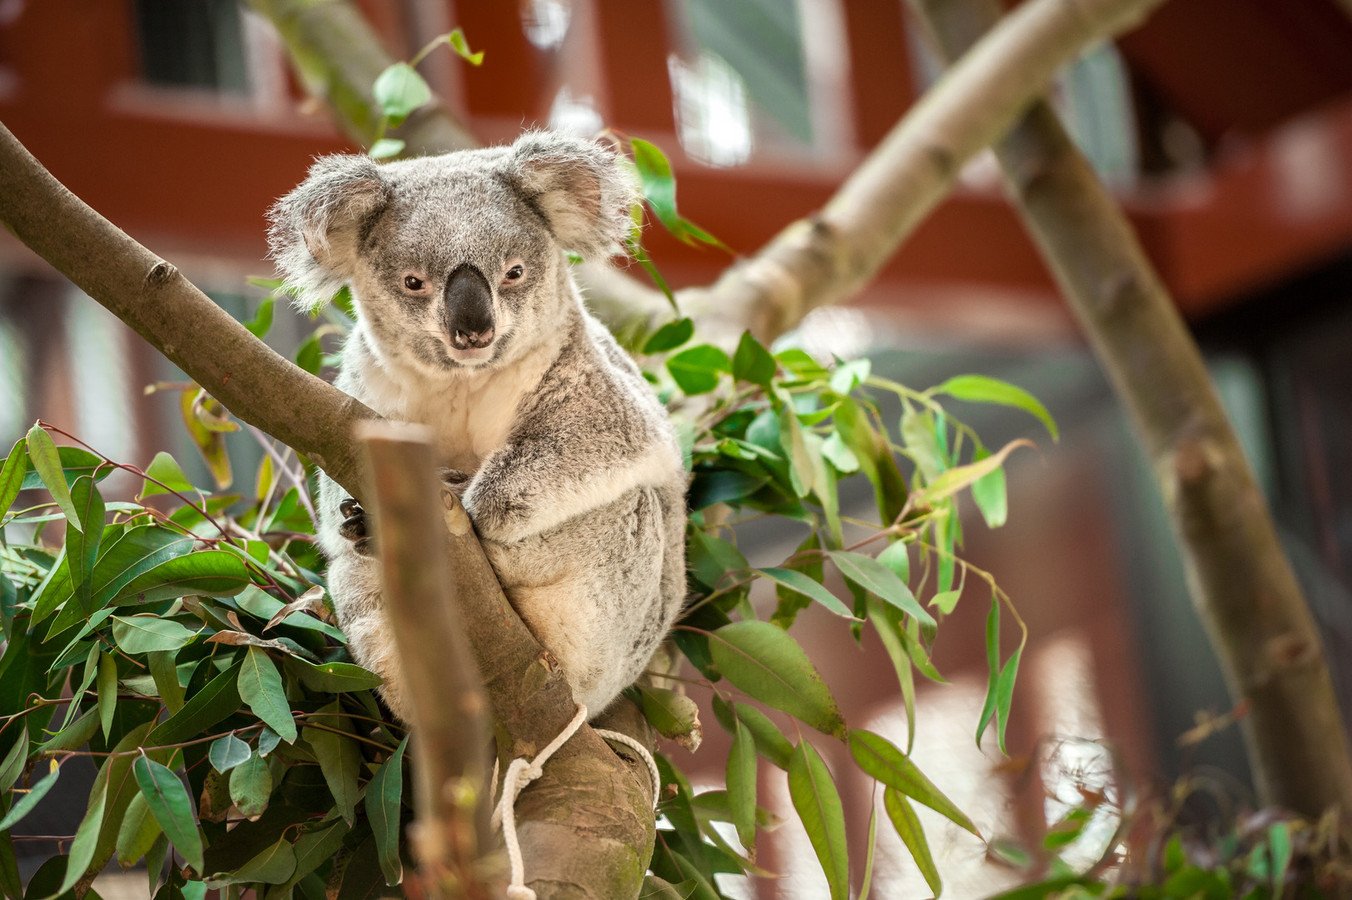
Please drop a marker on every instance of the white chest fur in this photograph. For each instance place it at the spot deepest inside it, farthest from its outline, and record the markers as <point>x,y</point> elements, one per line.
<point>470,414</point>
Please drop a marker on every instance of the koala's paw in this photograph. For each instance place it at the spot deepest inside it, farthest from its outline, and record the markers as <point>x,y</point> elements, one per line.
<point>354,527</point>
<point>455,480</point>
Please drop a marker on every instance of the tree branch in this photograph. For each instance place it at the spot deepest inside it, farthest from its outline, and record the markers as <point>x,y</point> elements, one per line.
<point>450,734</point>
<point>530,699</point>
<point>1238,575</point>
<point>827,257</point>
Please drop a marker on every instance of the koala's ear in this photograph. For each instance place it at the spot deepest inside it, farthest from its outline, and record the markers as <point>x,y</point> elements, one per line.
<point>315,229</point>
<point>584,189</point>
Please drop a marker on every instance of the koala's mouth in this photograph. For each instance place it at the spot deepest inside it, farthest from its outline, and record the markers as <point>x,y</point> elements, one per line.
<point>440,352</point>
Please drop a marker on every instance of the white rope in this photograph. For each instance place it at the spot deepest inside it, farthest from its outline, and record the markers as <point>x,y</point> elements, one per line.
<point>522,772</point>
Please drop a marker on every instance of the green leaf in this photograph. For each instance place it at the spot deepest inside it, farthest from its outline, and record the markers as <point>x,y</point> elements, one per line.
<point>1004,694</point>
<point>251,786</point>
<point>228,752</point>
<point>82,544</point>
<point>164,672</point>
<point>752,362</point>
<point>217,699</point>
<point>137,832</point>
<point>74,736</point>
<point>849,375</point>
<point>877,756</point>
<point>981,389</point>
<point>741,781</point>
<point>674,715</point>
<point>456,38</point>
<point>261,323</point>
<point>148,634</point>
<point>768,664</point>
<point>163,468</point>
<point>879,580</point>
<point>217,573</point>
<point>107,692</point>
<point>12,766</point>
<point>385,148</point>
<point>314,848</point>
<point>802,584</point>
<point>384,796</point>
<point>712,559</point>
<point>260,686</point>
<point>907,824</point>
<point>169,804</point>
<point>86,838</point>
<point>659,190</point>
<point>47,461</point>
<point>339,759</point>
<point>11,475</point>
<point>802,471</point>
<point>896,556</point>
<point>333,677</point>
<point>992,668</point>
<point>990,495</point>
<point>272,865</point>
<point>949,482</point>
<point>1279,844</point>
<point>814,796</point>
<point>399,90</point>
<point>670,336</point>
<point>25,802</point>
<point>945,601</point>
<point>839,454</point>
<point>696,369</point>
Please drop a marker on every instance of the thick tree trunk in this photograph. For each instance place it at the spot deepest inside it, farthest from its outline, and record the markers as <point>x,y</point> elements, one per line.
<point>1239,577</point>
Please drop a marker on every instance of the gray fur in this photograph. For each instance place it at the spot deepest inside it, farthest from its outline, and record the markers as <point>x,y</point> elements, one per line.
<point>576,484</point>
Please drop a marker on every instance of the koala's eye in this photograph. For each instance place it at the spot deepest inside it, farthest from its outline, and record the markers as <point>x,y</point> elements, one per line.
<point>515,273</point>
<point>413,282</point>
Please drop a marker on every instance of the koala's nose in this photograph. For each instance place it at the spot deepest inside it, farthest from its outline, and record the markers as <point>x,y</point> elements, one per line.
<point>468,311</point>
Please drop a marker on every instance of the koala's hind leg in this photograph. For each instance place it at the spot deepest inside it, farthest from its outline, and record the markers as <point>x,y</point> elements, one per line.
<point>354,583</point>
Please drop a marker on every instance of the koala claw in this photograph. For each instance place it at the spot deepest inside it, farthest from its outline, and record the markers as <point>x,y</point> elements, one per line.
<point>354,526</point>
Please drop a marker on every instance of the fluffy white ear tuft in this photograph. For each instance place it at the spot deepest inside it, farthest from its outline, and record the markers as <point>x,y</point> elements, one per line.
<point>584,190</point>
<point>315,229</point>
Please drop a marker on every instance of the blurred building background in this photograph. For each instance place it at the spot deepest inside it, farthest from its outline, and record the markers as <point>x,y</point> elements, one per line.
<point>1225,126</point>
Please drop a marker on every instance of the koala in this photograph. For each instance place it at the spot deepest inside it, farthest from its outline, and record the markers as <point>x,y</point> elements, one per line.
<point>468,321</point>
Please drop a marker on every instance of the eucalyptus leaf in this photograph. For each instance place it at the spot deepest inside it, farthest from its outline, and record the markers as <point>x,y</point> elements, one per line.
<point>881,581</point>
<point>802,584</point>
<point>228,752</point>
<point>769,665</point>
<point>384,798</point>
<point>47,462</point>
<point>877,756</point>
<point>148,634</point>
<point>741,782</point>
<point>907,825</point>
<point>251,786</point>
<point>171,807</point>
<point>25,802</point>
<point>260,687</point>
<point>982,389</point>
<point>814,796</point>
<point>339,758</point>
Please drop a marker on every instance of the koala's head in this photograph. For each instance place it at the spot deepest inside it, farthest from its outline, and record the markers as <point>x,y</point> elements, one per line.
<point>454,261</point>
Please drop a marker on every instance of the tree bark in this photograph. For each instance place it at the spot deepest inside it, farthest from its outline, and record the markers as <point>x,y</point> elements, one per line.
<point>530,699</point>
<point>1238,575</point>
<point>444,688</point>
